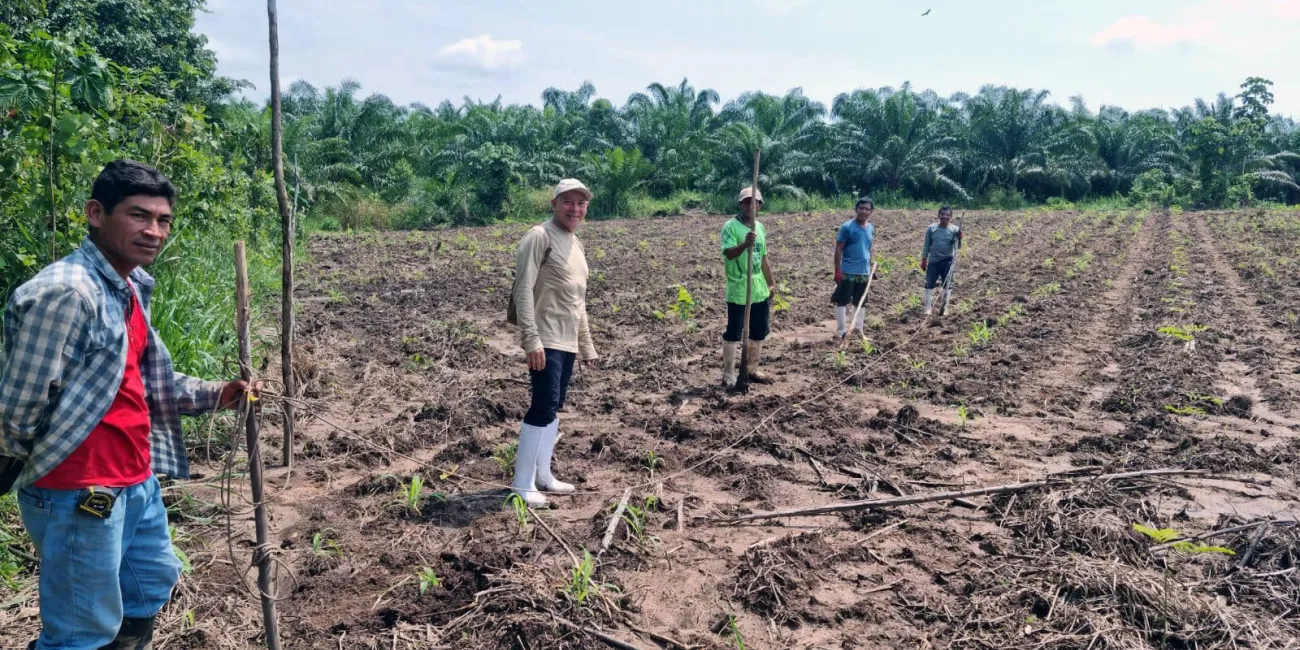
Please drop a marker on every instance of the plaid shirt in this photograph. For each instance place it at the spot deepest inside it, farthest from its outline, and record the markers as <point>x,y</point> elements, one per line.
<point>65,349</point>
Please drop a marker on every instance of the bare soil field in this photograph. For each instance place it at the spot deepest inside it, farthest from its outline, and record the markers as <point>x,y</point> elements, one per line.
<point>1162,347</point>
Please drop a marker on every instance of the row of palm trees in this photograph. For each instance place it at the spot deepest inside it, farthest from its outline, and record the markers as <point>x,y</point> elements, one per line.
<point>469,163</point>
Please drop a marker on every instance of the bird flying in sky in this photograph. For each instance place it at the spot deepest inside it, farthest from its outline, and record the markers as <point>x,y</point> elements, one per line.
<point>927,13</point>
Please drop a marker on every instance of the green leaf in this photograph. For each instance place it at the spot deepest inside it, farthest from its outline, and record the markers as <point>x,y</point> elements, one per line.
<point>1161,535</point>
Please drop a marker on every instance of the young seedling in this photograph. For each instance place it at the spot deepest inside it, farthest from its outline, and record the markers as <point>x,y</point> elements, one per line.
<point>651,462</point>
<point>428,579</point>
<point>580,585</point>
<point>412,494</point>
<point>504,455</point>
<point>516,503</point>
<point>839,359</point>
<point>322,546</point>
<point>962,415</point>
<point>636,519</point>
<point>868,348</point>
<point>979,334</point>
<point>684,308</point>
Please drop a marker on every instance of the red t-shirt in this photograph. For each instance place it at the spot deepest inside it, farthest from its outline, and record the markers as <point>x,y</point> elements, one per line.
<point>116,453</point>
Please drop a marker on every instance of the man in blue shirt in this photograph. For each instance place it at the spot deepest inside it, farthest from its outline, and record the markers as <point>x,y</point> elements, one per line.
<point>942,240</point>
<point>853,264</point>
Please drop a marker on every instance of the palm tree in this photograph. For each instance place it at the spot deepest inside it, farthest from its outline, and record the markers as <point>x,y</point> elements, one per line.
<point>1020,142</point>
<point>670,125</point>
<point>790,130</point>
<point>893,139</point>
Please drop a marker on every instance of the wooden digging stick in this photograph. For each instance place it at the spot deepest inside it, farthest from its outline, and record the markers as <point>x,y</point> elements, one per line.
<point>742,382</point>
<point>871,274</point>
<point>261,553</point>
<point>286,237</point>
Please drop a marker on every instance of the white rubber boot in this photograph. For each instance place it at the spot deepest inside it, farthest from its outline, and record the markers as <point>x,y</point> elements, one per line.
<point>929,308</point>
<point>545,480</point>
<point>840,316</point>
<point>947,300</point>
<point>755,355</point>
<point>530,441</point>
<point>729,363</point>
<point>857,322</point>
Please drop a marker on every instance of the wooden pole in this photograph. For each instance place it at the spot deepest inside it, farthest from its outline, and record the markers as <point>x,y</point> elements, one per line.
<point>286,239</point>
<point>54,165</point>
<point>949,496</point>
<point>261,554</point>
<point>871,274</point>
<point>742,382</point>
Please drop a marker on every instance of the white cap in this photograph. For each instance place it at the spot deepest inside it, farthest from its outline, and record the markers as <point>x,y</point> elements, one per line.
<point>746,193</point>
<point>569,185</point>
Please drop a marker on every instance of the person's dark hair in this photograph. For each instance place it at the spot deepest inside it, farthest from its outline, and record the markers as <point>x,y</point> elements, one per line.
<point>867,200</point>
<point>123,178</point>
<point>946,208</point>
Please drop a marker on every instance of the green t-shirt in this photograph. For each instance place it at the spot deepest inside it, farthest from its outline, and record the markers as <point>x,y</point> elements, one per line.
<point>733,235</point>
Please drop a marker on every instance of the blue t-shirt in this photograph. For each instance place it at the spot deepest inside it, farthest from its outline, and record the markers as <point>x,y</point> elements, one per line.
<point>857,247</point>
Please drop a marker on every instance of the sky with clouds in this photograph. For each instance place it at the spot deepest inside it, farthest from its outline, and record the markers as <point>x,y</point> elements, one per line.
<point>1154,53</point>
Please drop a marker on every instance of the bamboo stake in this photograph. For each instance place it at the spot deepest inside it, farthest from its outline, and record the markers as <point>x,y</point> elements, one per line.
<point>261,555</point>
<point>949,496</point>
<point>742,382</point>
<point>871,274</point>
<point>286,238</point>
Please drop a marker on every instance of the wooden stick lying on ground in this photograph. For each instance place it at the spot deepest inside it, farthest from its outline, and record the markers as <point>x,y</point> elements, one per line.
<point>597,634</point>
<point>613,521</point>
<point>949,496</point>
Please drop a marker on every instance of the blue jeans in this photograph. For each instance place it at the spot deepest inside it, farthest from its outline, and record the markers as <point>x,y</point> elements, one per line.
<point>96,571</point>
<point>550,387</point>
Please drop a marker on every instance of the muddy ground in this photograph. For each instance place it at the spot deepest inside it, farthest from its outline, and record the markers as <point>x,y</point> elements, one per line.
<point>1079,344</point>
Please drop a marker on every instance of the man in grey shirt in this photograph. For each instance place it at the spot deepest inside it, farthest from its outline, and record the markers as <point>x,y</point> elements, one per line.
<point>942,239</point>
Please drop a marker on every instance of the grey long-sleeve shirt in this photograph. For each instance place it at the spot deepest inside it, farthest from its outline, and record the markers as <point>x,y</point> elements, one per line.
<point>940,243</point>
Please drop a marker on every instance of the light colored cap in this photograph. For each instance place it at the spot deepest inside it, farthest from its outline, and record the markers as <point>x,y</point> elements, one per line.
<point>745,193</point>
<point>570,184</point>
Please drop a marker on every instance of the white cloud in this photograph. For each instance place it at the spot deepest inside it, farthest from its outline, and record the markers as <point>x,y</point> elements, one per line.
<point>1143,33</point>
<point>780,7</point>
<point>482,54</point>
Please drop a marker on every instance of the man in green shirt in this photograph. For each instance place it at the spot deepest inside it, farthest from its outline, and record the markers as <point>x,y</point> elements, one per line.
<point>738,236</point>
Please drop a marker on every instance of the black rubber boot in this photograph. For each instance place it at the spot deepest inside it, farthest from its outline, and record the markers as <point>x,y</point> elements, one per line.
<point>135,634</point>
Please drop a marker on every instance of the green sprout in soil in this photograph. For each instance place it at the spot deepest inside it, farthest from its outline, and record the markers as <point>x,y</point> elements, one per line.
<point>428,579</point>
<point>504,455</point>
<point>322,546</point>
<point>580,585</point>
<point>516,503</point>
<point>1182,332</point>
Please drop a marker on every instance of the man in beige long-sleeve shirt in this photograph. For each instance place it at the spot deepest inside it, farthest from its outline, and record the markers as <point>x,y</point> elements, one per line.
<point>550,304</point>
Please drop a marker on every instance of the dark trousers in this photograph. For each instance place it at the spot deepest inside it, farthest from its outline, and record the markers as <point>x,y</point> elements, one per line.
<point>550,387</point>
<point>936,272</point>
<point>759,321</point>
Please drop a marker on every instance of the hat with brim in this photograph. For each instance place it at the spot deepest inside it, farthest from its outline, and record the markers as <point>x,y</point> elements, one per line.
<point>570,185</point>
<point>748,192</point>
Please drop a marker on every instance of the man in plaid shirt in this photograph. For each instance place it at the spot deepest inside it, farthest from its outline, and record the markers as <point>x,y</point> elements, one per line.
<point>90,411</point>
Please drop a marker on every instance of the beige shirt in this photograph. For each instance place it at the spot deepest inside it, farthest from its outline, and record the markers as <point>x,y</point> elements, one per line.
<point>551,296</point>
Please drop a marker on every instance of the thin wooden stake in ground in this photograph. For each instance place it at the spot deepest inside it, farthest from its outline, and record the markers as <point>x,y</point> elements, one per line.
<point>871,274</point>
<point>742,382</point>
<point>286,238</point>
<point>262,553</point>
<point>949,496</point>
